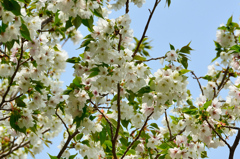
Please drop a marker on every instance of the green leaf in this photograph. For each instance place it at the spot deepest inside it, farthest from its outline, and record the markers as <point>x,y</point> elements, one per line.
<point>98,12</point>
<point>94,72</point>
<point>88,23</point>
<point>143,90</point>
<point>103,136</point>
<point>184,62</point>
<point>13,6</point>
<point>77,81</point>
<point>67,91</point>
<point>236,48</point>
<point>108,143</point>
<point>204,154</point>
<point>154,125</point>
<point>86,142</point>
<point>207,77</point>
<point>186,49</point>
<point>114,122</point>
<point>20,102</point>
<point>171,47</point>
<point>73,60</point>
<point>139,58</point>
<point>68,23</point>
<point>15,116</point>
<point>79,137</point>
<point>192,110</point>
<point>229,21</point>
<point>183,71</point>
<point>125,123</point>
<point>10,44</point>
<point>168,2</point>
<point>38,85</point>
<point>77,21</point>
<point>205,106</point>
<point>85,43</point>
<point>25,32</point>
<point>3,27</point>
<point>52,157</point>
<point>72,156</point>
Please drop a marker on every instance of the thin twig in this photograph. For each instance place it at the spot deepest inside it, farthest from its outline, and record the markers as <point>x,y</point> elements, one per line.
<point>13,76</point>
<point>145,123</point>
<point>218,134</point>
<point>231,127</point>
<point>118,122</point>
<point>224,76</point>
<point>46,21</point>
<point>65,42</point>
<point>63,122</point>
<point>104,107</point>
<point>157,58</point>
<point>198,82</point>
<point>14,98</point>
<point>180,132</point>
<point>4,53</point>
<point>4,118</point>
<point>66,144</point>
<point>146,27</point>
<point>109,122</point>
<point>26,60</point>
<point>170,132</point>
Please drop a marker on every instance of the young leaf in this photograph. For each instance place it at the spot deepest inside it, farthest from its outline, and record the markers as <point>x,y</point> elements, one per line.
<point>88,23</point>
<point>25,32</point>
<point>77,21</point>
<point>13,6</point>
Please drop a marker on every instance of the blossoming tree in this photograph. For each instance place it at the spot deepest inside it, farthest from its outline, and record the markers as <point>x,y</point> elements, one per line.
<point>111,107</point>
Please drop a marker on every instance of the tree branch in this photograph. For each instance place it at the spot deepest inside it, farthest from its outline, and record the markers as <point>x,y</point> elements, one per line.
<point>118,123</point>
<point>170,132</point>
<point>224,76</point>
<point>218,134</point>
<point>13,76</point>
<point>235,144</point>
<point>63,122</point>
<point>145,123</point>
<point>66,144</point>
<point>4,118</point>
<point>198,82</point>
<point>151,59</point>
<point>146,27</point>
<point>109,122</point>
<point>127,7</point>
<point>46,21</point>
<point>14,98</point>
<point>174,137</point>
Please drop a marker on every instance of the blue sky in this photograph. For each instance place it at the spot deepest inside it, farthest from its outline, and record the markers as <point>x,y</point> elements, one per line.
<point>184,21</point>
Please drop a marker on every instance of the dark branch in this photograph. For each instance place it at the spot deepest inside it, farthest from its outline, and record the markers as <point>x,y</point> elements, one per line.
<point>174,137</point>
<point>198,82</point>
<point>66,144</point>
<point>63,122</point>
<point>218,134</point>
<point>146,27</point>
<point>46,21</point>
<point>170,132</point>
<point>13,76</point>
<point>127,7</point>
<point>151,59</point>
<point>128,148</point>
<point>118,122</point>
